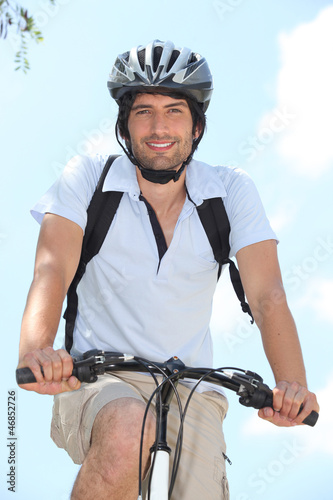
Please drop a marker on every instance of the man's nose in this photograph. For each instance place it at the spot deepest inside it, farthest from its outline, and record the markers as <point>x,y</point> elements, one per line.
<point>159,124</point>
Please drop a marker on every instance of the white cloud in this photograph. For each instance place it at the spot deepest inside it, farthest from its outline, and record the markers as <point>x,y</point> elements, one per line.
<point>304,90</point>
<point>318,296</point>
<point>316,439</point>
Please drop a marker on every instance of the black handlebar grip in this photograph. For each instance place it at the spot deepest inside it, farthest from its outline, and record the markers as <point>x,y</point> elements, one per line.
<point>25,376</point>
<point>83,373</point>
<point>309,420</point>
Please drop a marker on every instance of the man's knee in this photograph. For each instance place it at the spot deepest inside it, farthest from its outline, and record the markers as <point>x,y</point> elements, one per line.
<point>118,425</point>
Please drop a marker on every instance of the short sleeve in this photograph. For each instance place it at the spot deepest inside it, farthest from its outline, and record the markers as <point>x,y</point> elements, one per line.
<point>248,221</point>
<point>70,195</point>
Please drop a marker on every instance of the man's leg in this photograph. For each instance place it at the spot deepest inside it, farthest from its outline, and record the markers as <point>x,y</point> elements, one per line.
<point>111,467</point>
<point>99,426</point>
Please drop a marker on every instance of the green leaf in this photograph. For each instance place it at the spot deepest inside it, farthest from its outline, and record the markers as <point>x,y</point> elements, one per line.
<point>15,18</point>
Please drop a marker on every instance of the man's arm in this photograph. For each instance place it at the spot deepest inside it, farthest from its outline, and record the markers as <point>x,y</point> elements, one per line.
<point>261,278</point>
<point>57,257</point>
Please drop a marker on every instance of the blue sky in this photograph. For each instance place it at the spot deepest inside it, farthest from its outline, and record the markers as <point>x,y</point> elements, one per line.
<point>270,114</point>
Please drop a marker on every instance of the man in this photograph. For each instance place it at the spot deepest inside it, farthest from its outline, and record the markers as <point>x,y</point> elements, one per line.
<point>149,290</point>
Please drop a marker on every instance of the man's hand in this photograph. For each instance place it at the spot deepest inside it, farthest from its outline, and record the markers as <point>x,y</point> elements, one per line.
<point>287,400</point>
<point>57,368</point>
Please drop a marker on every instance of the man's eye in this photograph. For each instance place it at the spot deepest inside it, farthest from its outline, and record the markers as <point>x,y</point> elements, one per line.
<point>175,110</point>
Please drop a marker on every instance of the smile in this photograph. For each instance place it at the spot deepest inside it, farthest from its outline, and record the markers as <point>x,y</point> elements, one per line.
<point>160,145</point>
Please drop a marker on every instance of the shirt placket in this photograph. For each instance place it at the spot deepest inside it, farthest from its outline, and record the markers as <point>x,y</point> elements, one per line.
<point>157,230</point>
<point>166,254</point>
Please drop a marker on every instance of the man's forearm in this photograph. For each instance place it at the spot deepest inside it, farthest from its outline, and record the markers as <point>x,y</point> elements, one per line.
<point>42,313</point>
<point>281,343</point>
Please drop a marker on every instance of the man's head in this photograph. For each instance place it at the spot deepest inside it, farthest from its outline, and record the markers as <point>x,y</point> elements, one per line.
<point>161,68</point>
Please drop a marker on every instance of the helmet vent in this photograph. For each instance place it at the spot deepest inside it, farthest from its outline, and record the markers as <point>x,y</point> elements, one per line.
<point>194,58</point>
<point>157,57</point>
<point>141,57</point>
<point>120,66</point>
<point>191,69</point>
<point>173,59</point>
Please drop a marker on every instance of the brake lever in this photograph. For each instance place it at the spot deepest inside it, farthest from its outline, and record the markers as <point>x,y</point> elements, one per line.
<point>95,362</point>
<point>252,390</point>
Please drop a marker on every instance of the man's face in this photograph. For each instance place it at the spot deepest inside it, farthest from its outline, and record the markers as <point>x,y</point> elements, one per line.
<point>160,129</point>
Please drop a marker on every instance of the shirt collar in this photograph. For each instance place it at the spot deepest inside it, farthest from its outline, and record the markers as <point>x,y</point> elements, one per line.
<point>122,177</point>
<point>202,181</point>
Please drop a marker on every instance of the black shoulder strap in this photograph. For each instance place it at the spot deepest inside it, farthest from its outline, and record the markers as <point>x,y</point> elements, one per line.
<point>100,213</point>
<point>215,221</point>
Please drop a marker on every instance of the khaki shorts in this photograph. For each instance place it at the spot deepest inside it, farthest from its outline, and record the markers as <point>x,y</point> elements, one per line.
<point>202,466</point>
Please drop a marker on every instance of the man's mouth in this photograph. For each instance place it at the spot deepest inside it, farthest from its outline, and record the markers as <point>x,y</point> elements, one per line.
<point>160,146</point>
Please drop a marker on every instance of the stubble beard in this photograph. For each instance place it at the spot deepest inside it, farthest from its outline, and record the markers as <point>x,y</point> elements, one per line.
<point>170,160</point>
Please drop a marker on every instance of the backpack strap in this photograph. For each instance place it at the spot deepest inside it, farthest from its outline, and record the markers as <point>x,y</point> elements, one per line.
<point>100,213</point>
<point>215,221</point>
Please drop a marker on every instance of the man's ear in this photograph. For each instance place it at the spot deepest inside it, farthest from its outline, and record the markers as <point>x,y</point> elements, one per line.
<point>197,131</point>
<point>125,138</point>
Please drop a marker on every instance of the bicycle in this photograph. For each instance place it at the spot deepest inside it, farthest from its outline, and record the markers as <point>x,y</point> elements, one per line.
<point>248,385</point>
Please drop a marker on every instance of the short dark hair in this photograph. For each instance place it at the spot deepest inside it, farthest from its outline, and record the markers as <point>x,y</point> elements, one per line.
<point>127,100</point>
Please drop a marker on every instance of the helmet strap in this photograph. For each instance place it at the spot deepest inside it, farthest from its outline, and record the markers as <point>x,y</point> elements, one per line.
<point>160,176</point>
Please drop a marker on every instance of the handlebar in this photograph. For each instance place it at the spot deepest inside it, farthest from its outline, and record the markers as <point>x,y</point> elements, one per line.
<point>248,385</point>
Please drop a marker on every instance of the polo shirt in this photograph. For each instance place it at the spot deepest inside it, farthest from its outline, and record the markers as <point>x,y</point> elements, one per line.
<point>132,299</point>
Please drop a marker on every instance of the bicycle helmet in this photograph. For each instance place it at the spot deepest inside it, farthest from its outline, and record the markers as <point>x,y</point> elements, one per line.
<point>161,64</point>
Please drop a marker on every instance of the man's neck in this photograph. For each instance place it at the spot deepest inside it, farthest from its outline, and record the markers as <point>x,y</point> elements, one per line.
<point>163,197</point>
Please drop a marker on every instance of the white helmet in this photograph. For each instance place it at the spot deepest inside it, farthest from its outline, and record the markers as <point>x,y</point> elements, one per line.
<point>161,64</point>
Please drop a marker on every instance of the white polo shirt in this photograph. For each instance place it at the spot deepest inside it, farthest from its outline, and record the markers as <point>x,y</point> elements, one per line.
<point>128,300</point>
